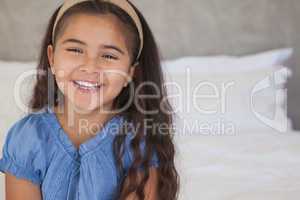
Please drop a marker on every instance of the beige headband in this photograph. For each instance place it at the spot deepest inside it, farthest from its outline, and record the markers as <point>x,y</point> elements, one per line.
<point>123,4</point>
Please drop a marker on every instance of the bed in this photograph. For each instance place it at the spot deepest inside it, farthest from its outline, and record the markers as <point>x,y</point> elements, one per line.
<point>250,166</point>
<point>256,161</point>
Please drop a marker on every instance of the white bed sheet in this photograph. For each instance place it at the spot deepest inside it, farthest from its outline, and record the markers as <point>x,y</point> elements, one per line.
<point>246,166</point>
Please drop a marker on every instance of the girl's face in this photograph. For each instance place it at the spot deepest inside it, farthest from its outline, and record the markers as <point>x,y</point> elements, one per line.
<point>91,61</point>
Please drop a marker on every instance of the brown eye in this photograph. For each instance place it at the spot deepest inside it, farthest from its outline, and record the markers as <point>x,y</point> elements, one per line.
<point>109,57</point>
<point>75,50</point>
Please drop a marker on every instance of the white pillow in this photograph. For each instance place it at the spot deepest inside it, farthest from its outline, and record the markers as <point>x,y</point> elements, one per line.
<point>225,63</point>
<point>240,75</point>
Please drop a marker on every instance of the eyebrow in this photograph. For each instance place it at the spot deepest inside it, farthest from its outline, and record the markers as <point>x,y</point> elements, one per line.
<point>105,46</point>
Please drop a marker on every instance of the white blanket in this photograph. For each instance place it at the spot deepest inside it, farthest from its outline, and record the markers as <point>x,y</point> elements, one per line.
<point>246,166</point>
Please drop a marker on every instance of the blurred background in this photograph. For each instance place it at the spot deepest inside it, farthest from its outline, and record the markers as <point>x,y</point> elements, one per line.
<point>220,35</point>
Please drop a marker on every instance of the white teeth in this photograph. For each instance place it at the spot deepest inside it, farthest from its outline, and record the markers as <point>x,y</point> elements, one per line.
<point>87,84</point>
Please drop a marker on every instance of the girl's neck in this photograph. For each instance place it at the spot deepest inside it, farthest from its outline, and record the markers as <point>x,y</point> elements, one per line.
<point>83,123</point>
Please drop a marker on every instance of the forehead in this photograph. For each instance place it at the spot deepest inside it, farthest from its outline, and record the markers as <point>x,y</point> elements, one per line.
<point>87,27</point>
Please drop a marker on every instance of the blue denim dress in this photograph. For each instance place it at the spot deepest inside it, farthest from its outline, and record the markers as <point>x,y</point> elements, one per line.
<point>37,149</point>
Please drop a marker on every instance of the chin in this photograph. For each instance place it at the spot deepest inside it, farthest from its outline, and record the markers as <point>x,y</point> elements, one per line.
<point>87,107</point>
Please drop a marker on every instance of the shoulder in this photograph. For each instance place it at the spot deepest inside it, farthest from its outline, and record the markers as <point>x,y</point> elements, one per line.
<point>26,131</point>
<point>22,150</point>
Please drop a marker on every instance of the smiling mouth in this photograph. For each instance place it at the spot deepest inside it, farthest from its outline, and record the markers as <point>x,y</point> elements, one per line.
<point>87,86</point>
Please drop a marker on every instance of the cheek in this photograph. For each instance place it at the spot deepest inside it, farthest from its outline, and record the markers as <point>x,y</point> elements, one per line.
<point>116,83</point>
<point>63,76</point>
<point>65,61</point>
<point>63,67</point>
<point>114,86</point>
<point>63,84</point>
<point>63,73</point>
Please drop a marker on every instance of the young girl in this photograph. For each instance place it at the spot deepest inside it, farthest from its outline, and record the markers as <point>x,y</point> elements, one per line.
<point>101,125</point>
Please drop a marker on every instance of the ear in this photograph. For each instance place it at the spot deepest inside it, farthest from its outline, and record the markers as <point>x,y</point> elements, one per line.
<point>132,69</point>
<point>131,72</point>
<point>50,54</point>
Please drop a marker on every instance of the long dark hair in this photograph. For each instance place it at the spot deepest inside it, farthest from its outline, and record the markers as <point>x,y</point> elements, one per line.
<point>149,69</point>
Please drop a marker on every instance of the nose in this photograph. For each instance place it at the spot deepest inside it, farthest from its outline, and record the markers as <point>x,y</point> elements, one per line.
<point>90,65</point>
